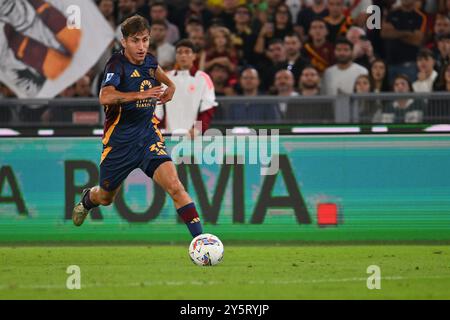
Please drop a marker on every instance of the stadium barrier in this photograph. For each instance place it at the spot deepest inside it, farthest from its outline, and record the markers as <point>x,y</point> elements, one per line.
<point>239,110</point>
<point>327,188</point>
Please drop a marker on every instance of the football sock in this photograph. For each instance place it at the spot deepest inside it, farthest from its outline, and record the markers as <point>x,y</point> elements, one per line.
<point>87,202</point>
<point>189,215</point>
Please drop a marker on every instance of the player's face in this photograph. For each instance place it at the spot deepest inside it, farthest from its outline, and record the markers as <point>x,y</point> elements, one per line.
<point>136,46</point>
<point>185,57</point>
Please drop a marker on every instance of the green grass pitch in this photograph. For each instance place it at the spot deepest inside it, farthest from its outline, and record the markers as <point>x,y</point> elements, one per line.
<point>247,272</point>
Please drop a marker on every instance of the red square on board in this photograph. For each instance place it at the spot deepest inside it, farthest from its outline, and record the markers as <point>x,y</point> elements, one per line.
<point>327,214</point>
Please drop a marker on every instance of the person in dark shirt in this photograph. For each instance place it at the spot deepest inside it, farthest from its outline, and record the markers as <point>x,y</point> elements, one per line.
<point>403,30</point>
<point>318,9</point>
<point>295,61</point>
<point>337,22</point>
<point>244,38</point>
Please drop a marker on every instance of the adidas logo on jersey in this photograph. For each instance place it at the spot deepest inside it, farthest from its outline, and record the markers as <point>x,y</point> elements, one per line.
<point>135,74</point>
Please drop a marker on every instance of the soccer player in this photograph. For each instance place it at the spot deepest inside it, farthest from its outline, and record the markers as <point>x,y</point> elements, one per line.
<point>131,139</point>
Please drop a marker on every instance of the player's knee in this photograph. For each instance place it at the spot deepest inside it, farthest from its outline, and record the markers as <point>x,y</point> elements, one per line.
<point>175,189</point>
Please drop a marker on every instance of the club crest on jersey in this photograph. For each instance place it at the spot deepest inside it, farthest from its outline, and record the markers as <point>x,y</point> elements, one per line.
<point>151,72</point>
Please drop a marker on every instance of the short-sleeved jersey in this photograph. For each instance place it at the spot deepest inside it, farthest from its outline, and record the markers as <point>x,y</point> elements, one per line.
<point>130,122</point>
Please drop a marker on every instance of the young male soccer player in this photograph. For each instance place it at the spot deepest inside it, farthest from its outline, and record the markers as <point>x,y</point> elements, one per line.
<point>131,138</point>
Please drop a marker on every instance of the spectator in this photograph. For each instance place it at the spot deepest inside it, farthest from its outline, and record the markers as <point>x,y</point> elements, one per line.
<point>227,13</point>
<point>222,51</point>
<point>126,9</point>
<point>379,75</point>
<point>309,82</point>
<point>194,99</point>
<point>305,17</point>
<point>362,48</point>
<point>275,60</point>
<point>319,51</point>
<point>196,34</point>
<point>368,110</point>
<point>220,76</point>
<point>243,37</point>
<point>278,29</point>
<point>403,110</point>
<point>83,87</point>
<point>165,52</point>
<point>158,12</point>
<point>196,11</point>
<point>285,87</point>
<point>404,30</point>
<point>442,50</point>
<point>295,60</point>
<point>244,111</point>
<point>260,12</point>
<point>441,24</point>
<point>340,78</point>
<point>427,75</point>
<point>438,110</point>
<point>311,111</point>
<point>337,22</point>
<point>106,7</point>
<point>282,21</point>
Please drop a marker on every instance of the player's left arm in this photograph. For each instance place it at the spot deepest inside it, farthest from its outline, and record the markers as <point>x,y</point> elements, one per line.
<point>162,77</point>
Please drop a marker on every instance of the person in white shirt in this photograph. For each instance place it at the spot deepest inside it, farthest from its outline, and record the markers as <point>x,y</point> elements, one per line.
<point>194,99</point>
<point>340,78</point>
<point>426,75</point>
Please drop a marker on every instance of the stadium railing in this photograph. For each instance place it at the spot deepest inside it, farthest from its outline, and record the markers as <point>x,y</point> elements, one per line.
<point>238,110</point>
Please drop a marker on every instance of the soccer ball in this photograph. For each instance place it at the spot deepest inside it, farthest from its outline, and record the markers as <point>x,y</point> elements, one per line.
<point>206,250</point>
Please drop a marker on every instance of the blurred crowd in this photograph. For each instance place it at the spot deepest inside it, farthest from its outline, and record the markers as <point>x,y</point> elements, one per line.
<point>295,47</point>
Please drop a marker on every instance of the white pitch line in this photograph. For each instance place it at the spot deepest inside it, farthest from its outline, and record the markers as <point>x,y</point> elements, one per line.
<point>203,283</point>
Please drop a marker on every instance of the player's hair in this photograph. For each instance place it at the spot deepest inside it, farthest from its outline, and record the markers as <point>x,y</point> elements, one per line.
<point>134,25</point>
<point>185,43</point>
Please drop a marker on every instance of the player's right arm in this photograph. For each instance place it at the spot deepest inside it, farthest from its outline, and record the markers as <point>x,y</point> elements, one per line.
<point>109,95</point>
